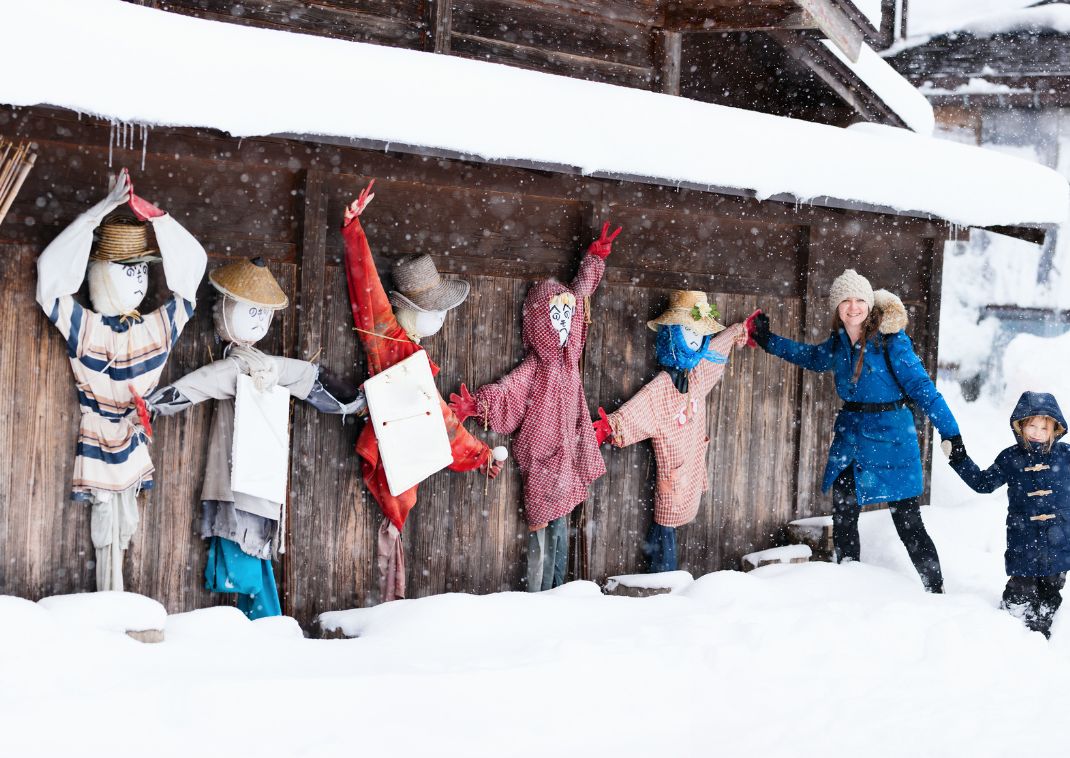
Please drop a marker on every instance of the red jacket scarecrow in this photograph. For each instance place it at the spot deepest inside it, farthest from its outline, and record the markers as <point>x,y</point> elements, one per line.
<point>543,397</point>
<point>385,343</point>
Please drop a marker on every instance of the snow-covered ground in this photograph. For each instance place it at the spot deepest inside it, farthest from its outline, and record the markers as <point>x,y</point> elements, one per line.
<point>795,660</point>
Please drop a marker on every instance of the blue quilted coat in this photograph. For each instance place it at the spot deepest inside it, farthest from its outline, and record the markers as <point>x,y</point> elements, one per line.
<point>1038,491</point>
<point>883,445</point>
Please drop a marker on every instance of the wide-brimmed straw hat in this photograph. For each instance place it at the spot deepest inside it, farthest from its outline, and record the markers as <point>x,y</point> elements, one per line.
<point>251,282</point>
<point>691,309</point>
<point>421,288</point>
<point>122,239</point>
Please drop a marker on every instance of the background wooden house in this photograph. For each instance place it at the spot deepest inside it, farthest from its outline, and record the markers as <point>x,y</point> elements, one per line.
<point>500,225</point>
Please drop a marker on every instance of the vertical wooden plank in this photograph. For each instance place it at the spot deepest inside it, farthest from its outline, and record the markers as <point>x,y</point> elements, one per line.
<point>440,25</point>
<point>668,47</point>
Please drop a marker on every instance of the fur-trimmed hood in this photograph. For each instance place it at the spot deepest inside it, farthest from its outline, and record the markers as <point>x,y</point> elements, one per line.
<point>893,313</point>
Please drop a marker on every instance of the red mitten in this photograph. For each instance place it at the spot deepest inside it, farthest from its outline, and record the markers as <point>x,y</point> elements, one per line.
<point>357,207</point>
<point>749,325</point>
<point>603,246</point>
<point>142,411</point>
<point>141,207</point>
<point>463,405</point>
<point>602,430</point>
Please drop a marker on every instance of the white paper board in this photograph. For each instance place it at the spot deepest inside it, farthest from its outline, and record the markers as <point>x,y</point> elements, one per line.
<point>406,414</point>
<point>260,458</point>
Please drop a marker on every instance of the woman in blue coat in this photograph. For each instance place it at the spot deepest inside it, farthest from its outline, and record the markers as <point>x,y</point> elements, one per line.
<point>874,456</point>
<point>1035,471</point>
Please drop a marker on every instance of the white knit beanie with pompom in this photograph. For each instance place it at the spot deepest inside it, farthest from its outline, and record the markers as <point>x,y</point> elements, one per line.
<point>850,284</point>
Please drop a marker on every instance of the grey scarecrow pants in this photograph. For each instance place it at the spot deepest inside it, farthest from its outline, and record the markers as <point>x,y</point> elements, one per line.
<point>548,555</point>
<point>113,522</point>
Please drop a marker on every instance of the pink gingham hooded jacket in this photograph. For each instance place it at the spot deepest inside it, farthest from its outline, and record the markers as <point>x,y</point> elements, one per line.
<point>543,396</point>
<point>676,425</point>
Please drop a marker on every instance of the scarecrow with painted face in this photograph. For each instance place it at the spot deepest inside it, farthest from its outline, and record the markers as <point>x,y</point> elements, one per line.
<point>390,329</point>
<point>670,411</point>
<point>116,353</point>
<point>248,453</point>
<point>543,398</point>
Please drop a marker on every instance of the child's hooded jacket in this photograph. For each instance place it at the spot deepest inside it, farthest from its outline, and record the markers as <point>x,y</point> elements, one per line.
<point>1038,516</point>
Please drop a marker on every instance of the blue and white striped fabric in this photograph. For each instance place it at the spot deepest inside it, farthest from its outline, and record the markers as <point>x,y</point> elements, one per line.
<point>108,355</point>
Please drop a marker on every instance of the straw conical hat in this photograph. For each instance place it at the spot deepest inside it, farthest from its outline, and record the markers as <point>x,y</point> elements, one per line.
<point>122,239</point>
<point>251,282</point>
<point>688,308</point>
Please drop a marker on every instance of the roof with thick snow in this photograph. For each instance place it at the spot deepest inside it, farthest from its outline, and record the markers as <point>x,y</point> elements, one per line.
<point>136,64</point>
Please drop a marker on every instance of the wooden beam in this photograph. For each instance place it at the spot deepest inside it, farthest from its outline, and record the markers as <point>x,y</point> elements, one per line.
<point>668,47</point>
<point>742,19</point>
<point>836,25</point>
<point>441,25</point>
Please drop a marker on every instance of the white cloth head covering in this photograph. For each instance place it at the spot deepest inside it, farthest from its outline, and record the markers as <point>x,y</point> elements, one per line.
<point>850,284</point>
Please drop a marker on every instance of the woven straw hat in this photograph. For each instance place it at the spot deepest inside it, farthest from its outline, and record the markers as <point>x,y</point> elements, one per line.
<point>122,239</point>
<point>422,288</point>
<point>251,282</point>
<point>691,309</point>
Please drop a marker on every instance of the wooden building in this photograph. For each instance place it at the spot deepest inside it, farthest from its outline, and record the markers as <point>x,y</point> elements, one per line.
<point>500,227</point>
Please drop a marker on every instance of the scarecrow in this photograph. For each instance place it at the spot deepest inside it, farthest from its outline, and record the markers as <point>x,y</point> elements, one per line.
<point>248,452</point>
<point>670,411</point>
<point>390,329</point>
<point>116,353</point>
<point>543,398</point>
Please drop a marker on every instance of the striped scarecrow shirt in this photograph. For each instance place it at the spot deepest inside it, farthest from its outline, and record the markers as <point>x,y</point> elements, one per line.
<point>108,355</point>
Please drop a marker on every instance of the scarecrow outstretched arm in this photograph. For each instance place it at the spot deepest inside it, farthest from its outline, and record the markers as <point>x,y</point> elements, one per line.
<point>504,403</point>
<point>636,420</point>
<point>708,373</point>
<point>61,267</point>
<point>219,381</point>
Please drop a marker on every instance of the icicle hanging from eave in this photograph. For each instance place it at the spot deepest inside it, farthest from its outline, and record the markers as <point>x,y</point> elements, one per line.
<point>122,135</point>
<point>15,164</point>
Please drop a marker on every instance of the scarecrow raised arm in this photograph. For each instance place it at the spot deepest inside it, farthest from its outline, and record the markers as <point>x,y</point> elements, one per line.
<point>61,267</point>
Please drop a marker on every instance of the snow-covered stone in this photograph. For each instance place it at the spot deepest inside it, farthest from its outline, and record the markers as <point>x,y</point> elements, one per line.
<point>125,612</point>
<point>784,554</point>
<point>645,585</point>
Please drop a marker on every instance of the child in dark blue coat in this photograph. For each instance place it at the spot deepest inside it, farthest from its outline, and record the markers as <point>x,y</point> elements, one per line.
<point>1035,471</point>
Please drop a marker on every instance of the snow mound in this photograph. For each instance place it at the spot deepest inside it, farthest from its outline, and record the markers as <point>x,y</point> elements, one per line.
<point>1037,364</point>
<point>109,611</point>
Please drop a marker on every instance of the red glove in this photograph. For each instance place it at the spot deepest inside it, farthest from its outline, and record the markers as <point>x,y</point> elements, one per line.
<point>490,468</point>
<point>142,208</point>
<point>142,410</point>
<point>463,405</point>
<point>357,207</point>
<point>749,326</point>
<point>603,246</point>
<point>602,430</point>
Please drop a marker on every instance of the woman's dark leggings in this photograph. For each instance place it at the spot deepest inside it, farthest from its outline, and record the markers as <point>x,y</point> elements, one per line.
<point>908,523</point>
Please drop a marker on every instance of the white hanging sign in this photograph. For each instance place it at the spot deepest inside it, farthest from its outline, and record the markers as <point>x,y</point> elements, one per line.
<point>406,414</point>
<point>260,457</point>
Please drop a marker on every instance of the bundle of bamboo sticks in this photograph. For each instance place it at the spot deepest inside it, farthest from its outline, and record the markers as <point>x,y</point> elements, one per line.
<point>15,164</point>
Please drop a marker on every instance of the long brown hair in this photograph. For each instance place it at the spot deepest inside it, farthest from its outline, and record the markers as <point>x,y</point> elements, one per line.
<point>870,326</point>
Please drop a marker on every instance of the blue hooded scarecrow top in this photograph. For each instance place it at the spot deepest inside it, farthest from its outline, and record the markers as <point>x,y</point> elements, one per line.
<point>1038,515</point>
<point>882,445</point>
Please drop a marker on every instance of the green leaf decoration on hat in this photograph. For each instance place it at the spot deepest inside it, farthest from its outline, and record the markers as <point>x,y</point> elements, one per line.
<point>702,311</point>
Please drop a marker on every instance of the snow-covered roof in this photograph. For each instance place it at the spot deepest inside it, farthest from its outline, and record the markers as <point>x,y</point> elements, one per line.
<point>1044,18</point>
<point>136,64</point>
<point>890,86</point>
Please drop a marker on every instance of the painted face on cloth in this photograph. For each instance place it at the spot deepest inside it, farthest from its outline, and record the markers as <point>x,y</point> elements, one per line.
<point>562,307</point>
<point>679,347</point>
<point>692,338</point>
<point>246,323</point>
<point>116,288</point>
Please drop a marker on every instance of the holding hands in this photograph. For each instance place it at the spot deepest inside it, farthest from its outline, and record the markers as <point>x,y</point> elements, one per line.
<point>954,449</point>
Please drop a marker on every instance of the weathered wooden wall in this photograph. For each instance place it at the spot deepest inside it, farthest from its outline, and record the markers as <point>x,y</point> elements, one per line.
<point>500,228</point>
